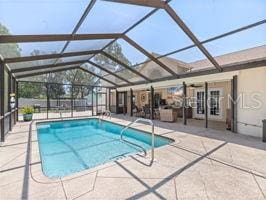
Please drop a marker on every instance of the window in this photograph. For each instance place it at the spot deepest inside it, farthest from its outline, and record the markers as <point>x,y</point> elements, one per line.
<point>200,103</point>
<point>214,102</point>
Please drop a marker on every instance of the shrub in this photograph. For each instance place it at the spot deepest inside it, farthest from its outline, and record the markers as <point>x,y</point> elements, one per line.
<point>27,110</point>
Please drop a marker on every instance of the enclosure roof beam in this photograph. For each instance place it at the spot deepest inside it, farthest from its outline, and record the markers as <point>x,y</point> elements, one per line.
<point>81,20</point>
<point>147,3</point>
<point>49,56</point>
<point>56,37</point>
<point>191,35</point>
<point>40,67</point>
<point>243,28</point>
<point>44,72</point>
<point>164,5</point>
<point>126,66</point>
<point>109,72</point>
<point>133,26</point>
<point>100,77</point>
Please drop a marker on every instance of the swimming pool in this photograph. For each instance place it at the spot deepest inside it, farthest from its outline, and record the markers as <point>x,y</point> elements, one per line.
<point>71,146</point>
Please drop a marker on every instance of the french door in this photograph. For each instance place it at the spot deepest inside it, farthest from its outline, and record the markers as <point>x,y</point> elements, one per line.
<point>214,103</point>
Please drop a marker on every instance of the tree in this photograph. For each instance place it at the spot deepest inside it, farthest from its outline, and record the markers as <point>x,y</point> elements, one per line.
<point>29,90</point>
<point>115,49</point>
<point>79,77</point>
<point>8,49</point>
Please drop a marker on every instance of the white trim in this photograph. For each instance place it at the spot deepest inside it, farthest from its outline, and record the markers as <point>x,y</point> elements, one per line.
<point>201,116</point>
<point>220,104</point>
<point>195,114</point>
<point>220,77</point>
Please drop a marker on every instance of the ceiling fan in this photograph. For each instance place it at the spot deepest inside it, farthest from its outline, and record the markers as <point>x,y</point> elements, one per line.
<point>195,86</point>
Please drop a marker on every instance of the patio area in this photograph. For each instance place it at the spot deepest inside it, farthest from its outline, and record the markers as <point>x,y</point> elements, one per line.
<point>195,71</point>
<point>200,164</point>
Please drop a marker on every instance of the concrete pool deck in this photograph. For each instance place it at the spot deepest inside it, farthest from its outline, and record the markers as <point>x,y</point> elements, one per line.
<point>200,164</point>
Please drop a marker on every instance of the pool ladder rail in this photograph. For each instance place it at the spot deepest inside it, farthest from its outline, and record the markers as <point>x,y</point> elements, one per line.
<point>106,114</point>
<point>152,131</point>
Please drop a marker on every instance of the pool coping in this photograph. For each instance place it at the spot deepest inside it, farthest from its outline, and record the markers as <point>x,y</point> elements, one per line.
<point>71,119</point>
<point>35,156</point>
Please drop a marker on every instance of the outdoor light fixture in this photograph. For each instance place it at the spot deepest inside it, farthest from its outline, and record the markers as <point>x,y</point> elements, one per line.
<point>12,100</point>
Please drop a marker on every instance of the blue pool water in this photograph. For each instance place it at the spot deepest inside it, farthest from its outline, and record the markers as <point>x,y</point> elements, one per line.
<point>75,145</point>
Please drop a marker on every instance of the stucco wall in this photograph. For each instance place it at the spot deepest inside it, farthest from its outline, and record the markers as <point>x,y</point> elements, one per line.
<point>251,84</point>
<point>250,81</point>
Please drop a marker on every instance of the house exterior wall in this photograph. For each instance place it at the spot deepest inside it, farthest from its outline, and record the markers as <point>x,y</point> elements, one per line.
<point>140,100</point>
<point>251,84</point>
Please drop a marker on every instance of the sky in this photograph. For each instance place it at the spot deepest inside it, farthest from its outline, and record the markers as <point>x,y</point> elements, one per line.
<point>159,33</point>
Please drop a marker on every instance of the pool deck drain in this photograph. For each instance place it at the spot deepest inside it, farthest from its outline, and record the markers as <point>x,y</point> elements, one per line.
<point>200,164</point>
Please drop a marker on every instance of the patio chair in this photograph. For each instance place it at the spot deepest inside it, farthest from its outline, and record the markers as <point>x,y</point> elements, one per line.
<point>147,111</point>
<point>137,111</point>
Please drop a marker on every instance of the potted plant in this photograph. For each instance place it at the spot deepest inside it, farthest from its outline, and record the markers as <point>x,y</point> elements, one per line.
<point>27,112</point>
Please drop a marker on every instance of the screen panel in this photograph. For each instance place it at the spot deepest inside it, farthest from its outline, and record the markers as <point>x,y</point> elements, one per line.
<point>73,58</point>
<point>101,73</point>
<point>48,70</point>
<point>9,50</point>
<point>19,65</point>
<point>106,62</point>
<point>159,34</point>
<point>247,45</point>
<point>86,45</point>
<point>125,52</point>
<point>190,59</point>
<point>108,17</point>
<point>26,17</point>
<point>208,18</point>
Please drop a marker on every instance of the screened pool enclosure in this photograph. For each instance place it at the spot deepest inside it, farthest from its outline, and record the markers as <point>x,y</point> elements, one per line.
<point>74,53</point>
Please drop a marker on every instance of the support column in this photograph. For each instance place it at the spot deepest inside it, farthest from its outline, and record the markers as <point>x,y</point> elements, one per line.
<point>92,101</point>
<point>2,92</point>
<point>8,104</point>
<point>125,103</point>
<point>184,105</point>
<point>109,99</point>
<point>105,99</point>
<point>16,82</point>
<point>72,101</point>
<point>264,130</point>
<point>234,104</point>
<point>131,102</point>
<point>206,104</point>
<point>15,91</point>
<point>47,100</point>
<point>116,101</point>
<point>96,99</point>
<point>152,103</point>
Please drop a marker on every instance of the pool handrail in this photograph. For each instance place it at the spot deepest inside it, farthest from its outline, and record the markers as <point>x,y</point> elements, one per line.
<point>152,131</point>
<point>106,113</point>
